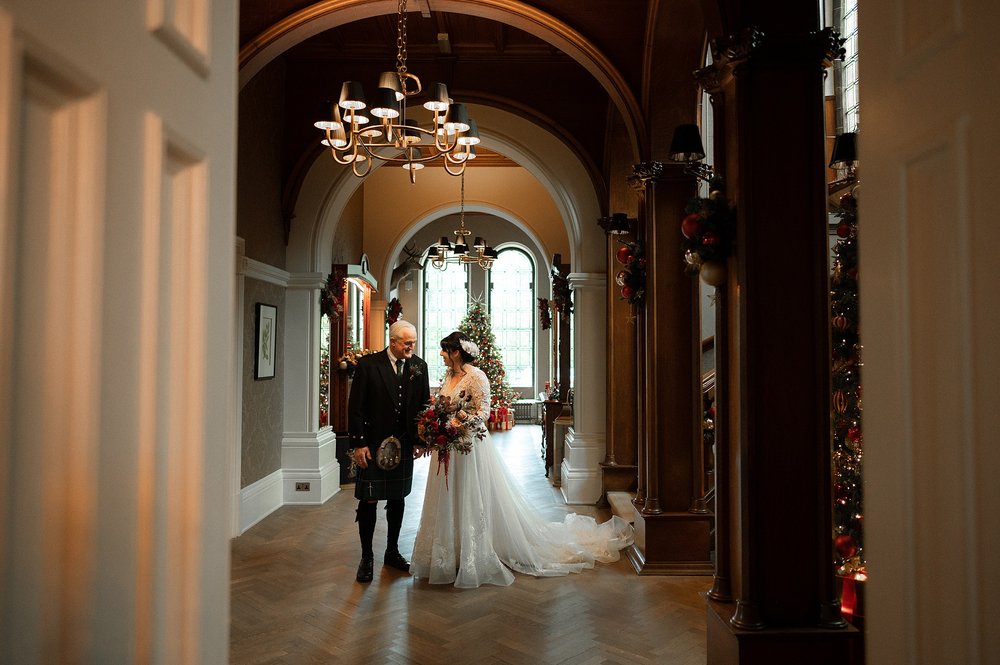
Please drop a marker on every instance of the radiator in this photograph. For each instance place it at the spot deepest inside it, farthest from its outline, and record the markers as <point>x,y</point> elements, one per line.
<point>526,411</point>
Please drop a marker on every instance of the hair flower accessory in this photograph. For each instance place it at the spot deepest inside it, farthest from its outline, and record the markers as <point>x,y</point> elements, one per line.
<point>470,348</point>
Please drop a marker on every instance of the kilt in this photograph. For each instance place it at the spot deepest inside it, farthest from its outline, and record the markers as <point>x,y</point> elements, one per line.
<point>374,484</point>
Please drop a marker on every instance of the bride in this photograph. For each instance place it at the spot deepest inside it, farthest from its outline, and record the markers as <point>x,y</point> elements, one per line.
<point>475,527</point>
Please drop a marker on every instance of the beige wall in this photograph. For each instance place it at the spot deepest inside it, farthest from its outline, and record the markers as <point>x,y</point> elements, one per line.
<point>394,209</point>
<point>262,400</point>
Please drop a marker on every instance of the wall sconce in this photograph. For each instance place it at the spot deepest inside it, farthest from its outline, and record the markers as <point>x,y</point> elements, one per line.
<point>686,147</point>
<point>844,157</point>
<point>617,224</point>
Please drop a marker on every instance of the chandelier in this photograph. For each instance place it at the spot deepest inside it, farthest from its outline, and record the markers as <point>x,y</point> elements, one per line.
<point>358,134</point>
<point>444,252</point>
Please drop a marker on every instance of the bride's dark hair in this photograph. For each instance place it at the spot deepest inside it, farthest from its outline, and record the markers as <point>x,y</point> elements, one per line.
<point>453,342</point>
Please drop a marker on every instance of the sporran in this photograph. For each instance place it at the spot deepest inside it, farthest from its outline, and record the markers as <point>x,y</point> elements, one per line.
<point>389,453</point>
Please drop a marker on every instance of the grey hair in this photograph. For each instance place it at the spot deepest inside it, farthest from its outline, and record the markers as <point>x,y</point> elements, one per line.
<point>398,327</point>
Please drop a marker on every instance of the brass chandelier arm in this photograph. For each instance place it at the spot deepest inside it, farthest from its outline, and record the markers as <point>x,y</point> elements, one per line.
<point>461,167</point>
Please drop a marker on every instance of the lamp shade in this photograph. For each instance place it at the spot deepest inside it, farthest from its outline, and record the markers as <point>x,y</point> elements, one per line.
<point>411,134</point>
<point>385,105</point>
<point>338,138</point>
<point>686,145</point>
<point>619,224</point>
<point>352,95</point>
<point>845,150</point>
<point>329,117</point>
<point>471,136</point>
<point>458,118</point>
<point>438,100</point>
<point>390,80</point>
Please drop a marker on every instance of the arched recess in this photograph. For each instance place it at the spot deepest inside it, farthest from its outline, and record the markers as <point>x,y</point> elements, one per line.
<point>326,14</point>
<point>539,250</point>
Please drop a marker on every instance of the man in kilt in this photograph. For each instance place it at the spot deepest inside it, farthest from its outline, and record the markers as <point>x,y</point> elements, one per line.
<point>388,391</point>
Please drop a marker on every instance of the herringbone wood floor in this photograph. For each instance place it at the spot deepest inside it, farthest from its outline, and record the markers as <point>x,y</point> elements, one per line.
<point>294,598</point>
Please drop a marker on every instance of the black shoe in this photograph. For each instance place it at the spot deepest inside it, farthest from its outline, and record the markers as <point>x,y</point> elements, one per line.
<point>396,560</point>
<point>365,569</point>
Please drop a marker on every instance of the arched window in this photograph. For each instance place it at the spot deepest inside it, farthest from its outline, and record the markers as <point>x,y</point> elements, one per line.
<point>446,302</point>
<point>846,16</point>
<point>512,313</point>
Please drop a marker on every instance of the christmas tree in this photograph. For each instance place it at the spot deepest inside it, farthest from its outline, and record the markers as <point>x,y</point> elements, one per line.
<point>476,325</point>
<point>848,451</point>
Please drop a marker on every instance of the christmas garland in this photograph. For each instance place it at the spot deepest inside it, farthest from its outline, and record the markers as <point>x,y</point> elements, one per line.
<point>562,297</point>
<point>847,394</point>
<point>330,296</point>
<point>709,231</point>
<point>393,311</point>
<point>544,315</point>
<point>632,278</point>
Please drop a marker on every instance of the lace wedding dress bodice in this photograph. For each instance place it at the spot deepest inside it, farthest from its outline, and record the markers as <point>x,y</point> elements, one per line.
<point>473,392</point>
<point>476,528</point>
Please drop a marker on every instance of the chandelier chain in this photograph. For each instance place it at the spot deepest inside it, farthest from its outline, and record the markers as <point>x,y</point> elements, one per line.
<point>401,40</point>
<point>461,208</point>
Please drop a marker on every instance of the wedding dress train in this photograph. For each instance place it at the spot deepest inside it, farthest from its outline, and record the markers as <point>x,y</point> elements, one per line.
<point>476,527</point>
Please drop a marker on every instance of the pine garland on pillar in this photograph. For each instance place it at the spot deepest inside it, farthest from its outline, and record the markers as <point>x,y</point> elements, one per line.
<point>478,327</point>
<point>324,383</point>
<point>848,449</point>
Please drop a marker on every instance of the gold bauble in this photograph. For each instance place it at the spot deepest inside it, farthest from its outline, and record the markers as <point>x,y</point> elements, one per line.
<point>840,401</point>
<point>713,273</point>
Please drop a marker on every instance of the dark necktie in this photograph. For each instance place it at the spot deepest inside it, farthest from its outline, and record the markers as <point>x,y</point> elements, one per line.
<point>399,370</point>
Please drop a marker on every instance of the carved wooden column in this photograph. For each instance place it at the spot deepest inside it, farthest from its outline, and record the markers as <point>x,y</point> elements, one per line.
<point>722,587</point>
<point>786,607</point>
<point>669,538</point>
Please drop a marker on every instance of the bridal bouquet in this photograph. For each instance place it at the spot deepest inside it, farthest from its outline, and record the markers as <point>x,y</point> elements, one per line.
<point>440,429</point>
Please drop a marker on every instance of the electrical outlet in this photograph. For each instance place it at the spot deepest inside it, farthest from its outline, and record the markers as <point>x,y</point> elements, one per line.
<point>301,487</point>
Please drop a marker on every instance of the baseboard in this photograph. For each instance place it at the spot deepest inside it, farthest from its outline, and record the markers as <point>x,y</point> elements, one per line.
<point>311,487</point>
<point>260,499</point>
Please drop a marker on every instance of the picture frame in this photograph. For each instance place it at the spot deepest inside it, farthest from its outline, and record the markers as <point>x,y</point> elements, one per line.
<point>264,338</point>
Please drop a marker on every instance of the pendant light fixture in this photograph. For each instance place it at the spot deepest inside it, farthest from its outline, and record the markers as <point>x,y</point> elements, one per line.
<point>444,251</point>
<point>358,134</point>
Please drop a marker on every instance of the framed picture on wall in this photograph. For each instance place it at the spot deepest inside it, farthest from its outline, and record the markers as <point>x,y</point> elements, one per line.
<point>267,326</point>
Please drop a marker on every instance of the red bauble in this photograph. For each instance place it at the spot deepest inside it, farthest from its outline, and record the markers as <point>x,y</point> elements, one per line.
<point>854,434</point>
<point>624,254</point>
<point>690,225</point>
<point>846,545</point>
<point>627,292</point>
<point>843,230</point>
<point>710,239</point>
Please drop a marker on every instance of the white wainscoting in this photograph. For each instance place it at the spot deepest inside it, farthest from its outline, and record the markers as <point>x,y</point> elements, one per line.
<point>260,499</point>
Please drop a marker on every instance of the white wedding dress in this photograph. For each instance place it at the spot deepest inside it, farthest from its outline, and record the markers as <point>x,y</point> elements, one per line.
<point>478,528</point>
